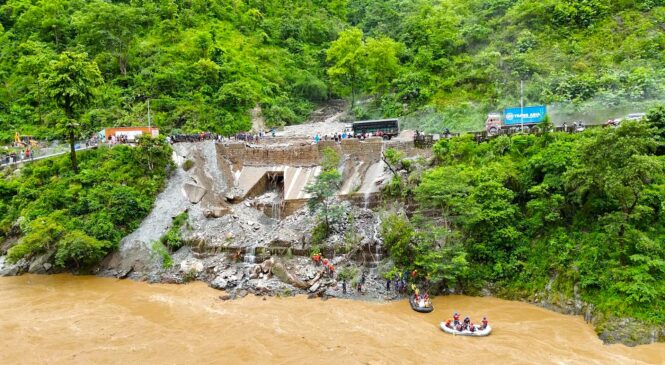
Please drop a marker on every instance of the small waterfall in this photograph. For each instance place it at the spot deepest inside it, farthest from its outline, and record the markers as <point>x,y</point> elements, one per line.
<point>376,255</point>
<point>250,255</point>
<point>377,240</point>
<point>277,209</point>
<point>366,199</point>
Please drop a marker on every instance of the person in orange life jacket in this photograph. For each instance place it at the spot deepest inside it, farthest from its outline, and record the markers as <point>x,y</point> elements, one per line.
<point>448,323</point>
<point>484,324</point>
<point>331,269</point>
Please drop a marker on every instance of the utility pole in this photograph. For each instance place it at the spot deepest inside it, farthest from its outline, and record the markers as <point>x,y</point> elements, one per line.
<point>149,124</point>
<point>522,104</point>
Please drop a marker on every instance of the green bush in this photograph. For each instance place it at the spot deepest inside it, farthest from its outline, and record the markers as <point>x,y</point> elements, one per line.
<point>173,237</point>
<point>187,165</point>
<point>17,252</point>
<point>319,234</point>
<point>163,254</point>
<point>78,250</point>
<point>82,217</point>
<point>348,273</point>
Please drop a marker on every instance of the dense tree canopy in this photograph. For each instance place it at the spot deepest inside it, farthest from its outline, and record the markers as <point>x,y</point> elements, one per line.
<point>572,214</point>
<point>205,64</point>
<point>76,219</point>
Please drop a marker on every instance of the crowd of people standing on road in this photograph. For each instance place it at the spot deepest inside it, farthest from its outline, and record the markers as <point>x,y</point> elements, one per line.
<point>14,157</point>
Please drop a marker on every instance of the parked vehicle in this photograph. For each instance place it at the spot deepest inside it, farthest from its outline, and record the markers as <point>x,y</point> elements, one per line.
<point>527,117</point>
<point>636,116</point>
<point>386,128</point>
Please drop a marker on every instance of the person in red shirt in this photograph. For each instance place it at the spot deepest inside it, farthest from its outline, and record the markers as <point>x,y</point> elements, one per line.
<point>484,324</point>
<point>331,269</point>
<point>456,318</point>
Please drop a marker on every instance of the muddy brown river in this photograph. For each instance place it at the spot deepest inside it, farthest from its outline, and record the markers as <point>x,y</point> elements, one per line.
<point>87,320</point>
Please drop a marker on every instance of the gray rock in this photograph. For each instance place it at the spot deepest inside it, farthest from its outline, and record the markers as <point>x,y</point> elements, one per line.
<point>47,266</point>
<point>37,265</point>
<point>219,283</point>
<point>193,192</point>
<point>191,265</point>
<point>315,287</point>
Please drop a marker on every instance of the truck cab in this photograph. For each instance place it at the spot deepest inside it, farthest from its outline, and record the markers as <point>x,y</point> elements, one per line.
<point>493,123</point>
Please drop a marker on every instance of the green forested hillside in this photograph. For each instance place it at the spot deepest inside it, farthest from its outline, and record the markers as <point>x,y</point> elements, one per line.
<point>205,63</point>
<point>548,217</point>
<point>74,219</point>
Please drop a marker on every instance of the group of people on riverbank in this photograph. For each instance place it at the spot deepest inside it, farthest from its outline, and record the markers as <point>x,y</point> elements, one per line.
<point>328,267</point>
<point>466,324</point>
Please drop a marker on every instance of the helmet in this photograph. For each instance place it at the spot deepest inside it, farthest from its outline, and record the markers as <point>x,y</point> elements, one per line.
<point>456,313</point>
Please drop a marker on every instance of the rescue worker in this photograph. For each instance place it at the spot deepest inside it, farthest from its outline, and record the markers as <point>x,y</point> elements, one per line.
<point>466,323</point>
<point>484,324</point>
<point>456,319</point>
<point>448,323</point>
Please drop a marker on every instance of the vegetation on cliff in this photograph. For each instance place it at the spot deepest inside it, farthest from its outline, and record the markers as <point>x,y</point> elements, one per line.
<point>578,214</point>
<point>204,64</point>
<point>76,219</point>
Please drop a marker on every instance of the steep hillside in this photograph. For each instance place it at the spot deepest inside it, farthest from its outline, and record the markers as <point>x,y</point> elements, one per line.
<point>204,64</point>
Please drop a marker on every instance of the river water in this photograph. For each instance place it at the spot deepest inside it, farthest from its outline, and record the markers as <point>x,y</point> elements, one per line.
<point>89,320</point>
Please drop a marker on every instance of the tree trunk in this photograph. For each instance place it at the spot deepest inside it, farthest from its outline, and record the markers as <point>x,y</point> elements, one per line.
<point>72,151</point>
<point>385,160</point>
<point>122,63</point>
<point>622,246</point>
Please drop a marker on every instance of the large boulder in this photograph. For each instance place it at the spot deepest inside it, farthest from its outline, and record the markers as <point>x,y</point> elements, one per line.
<point>219,283</point>
<point>216,212</point>
<point>41,264</point>
<point>191,265</point>
<point>133,257</point>
<point>194,192</point>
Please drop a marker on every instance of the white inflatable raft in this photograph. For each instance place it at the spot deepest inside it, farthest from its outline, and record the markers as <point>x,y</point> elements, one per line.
<point>477,333</point>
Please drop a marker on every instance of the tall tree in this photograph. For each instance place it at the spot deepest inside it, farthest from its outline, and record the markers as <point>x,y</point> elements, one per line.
<point>346,55</point>
<point>70,82</point>
<point>323,189</point>
<point>109,27</point>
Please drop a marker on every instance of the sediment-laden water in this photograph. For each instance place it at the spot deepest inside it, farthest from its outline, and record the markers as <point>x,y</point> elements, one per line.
<point>89,320</point>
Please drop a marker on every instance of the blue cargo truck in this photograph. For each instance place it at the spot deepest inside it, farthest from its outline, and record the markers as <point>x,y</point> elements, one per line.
<point>515,117</point>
